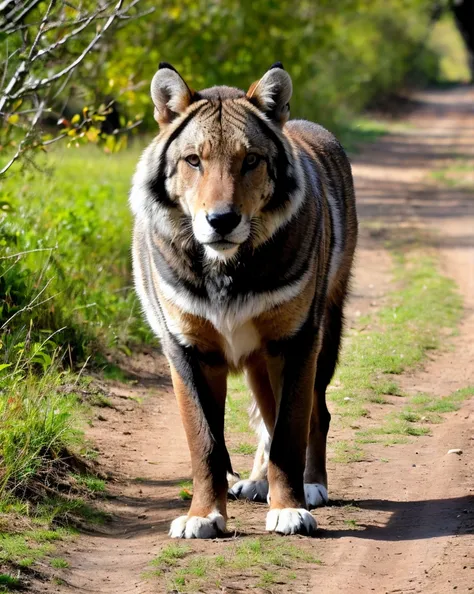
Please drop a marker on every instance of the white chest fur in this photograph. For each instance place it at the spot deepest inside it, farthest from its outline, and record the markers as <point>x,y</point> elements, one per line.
<point>233,320</point>
<point>235,326</point>
<point>240,342</point>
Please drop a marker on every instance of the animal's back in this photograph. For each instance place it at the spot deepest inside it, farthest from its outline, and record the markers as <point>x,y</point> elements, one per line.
<point>328,168</point>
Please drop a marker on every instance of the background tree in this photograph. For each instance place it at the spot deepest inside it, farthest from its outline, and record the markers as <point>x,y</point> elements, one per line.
<point>87,64</point>
<point>464,14</point>
<point>47,50</point>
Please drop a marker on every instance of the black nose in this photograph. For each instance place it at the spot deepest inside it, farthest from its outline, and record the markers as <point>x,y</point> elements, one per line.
<point>224,222</point>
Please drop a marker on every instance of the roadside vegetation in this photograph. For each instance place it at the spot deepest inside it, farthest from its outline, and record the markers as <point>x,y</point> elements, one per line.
<point>262,561</point>
<point>420,313</point>
<point>67,305</point>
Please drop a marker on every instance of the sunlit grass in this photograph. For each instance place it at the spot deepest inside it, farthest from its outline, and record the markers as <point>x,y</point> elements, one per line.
<point>415,321</point>
<point>38,423</point>
<point>25,549</point>
<point>459,174</point>
<point>262,560</point>
<point>237,405</point>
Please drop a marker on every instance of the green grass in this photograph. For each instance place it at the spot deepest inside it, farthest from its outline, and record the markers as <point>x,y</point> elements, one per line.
<point>186,490</point>
<point>415,418</point>
<point>359,131</point>
<point>237,404</point>
<point>398,337</point>
<point>169,555</point>
<point>38,424</point>
<point>82,262</point>
<point>460,174</point>
<point>29,533</point>
<point>247,449</point>
<point>9,583</point>
<point>66,300</point>
<point>346,452</point>
<point>59,563</point>
<point>423,408</point>
<point>111,371</point>
<point>92,483</point>
<point>69,511</point>
<point>185,494</point>
<point>26,548</point>
<point>259,559</point>
<point>100,401</point>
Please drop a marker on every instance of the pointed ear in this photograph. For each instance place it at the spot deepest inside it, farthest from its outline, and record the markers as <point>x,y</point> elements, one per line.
<point>272,93</point>
<point>170,94</point>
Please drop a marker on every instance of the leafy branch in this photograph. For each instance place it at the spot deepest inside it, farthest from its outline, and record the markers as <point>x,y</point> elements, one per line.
<point>44,47</point>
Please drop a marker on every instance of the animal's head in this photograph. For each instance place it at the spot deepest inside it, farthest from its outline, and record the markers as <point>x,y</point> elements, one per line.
<point>221,160</point>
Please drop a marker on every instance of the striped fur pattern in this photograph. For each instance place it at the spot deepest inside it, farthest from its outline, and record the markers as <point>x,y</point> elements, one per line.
<point>245,230</point>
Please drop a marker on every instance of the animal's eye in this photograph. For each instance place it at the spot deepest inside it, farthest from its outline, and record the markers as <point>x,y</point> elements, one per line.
<point>251,161</point>
<point>193,160</point>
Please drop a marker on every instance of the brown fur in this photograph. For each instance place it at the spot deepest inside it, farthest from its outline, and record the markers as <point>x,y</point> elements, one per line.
<point>290,200</point>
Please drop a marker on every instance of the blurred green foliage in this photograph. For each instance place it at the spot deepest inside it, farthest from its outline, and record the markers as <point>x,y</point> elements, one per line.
<point>65,276</point>
<point>339,54</point>
<point>446,43</point>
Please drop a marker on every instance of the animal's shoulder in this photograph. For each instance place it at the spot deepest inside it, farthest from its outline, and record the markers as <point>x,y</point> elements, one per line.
<point>316,136</point>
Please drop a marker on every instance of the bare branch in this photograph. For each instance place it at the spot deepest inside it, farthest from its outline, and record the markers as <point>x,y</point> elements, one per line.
<point>47,81</point>
<point>41,28</point>
<point>19,72</point>
<point>11,20</point>
<point>24,142</point>
<point>66,38</point>
<point>56,58</point>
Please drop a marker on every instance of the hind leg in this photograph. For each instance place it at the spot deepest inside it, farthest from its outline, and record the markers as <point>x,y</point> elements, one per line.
<point>315,477</point>
<point>255,488</point>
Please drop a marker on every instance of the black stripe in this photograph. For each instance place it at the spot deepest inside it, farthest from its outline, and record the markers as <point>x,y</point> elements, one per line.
<point>187,362</point>
<point>211,115</point>
<point>260,270</point>
<point>334,170</point>
<point>234,114</point>
<point>172,277</point>
<point>285,184</point>
<point>157,185</point>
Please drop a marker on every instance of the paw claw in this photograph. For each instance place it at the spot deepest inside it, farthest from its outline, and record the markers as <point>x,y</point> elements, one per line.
<point>198,527</point>
<point>291,521</point>
<point>316,495</point>
<point>251,490</point>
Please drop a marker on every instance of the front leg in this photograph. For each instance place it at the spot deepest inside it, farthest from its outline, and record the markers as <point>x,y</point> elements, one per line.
<point>288,511</point>
<point>200,389</point>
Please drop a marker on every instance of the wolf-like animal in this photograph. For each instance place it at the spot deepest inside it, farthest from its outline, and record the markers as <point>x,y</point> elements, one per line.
<point>245,230</point>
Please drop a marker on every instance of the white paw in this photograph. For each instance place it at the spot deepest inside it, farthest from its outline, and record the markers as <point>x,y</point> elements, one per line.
<point>291,521</point>
<point>233,478</point>
<point>252,490</point>
<point>316,495</point>
<point>197,527</point>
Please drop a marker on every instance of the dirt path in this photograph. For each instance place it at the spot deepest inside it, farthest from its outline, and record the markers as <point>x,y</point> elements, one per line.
<point>414,502</point>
